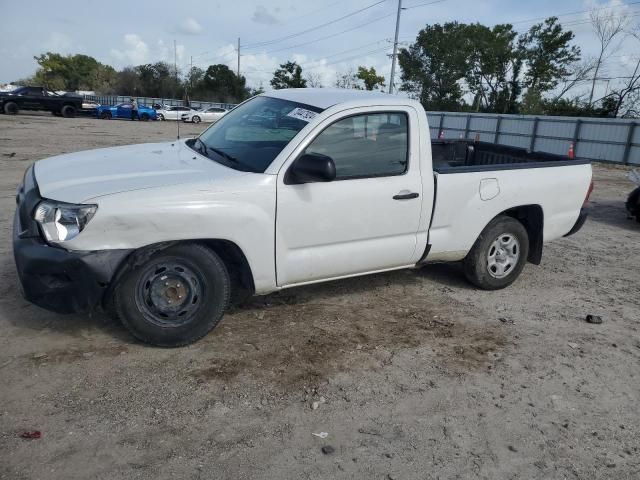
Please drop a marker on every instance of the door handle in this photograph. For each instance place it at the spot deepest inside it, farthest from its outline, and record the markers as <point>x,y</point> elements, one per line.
<point>406,196</point>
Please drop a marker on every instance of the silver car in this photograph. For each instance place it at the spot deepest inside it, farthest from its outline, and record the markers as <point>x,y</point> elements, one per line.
<point>210,115</point>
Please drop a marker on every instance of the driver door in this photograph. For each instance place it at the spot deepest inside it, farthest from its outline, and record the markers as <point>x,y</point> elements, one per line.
<point>367,218</point>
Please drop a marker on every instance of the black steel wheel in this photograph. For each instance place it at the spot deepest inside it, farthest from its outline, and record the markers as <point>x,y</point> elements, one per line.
<point>175,297</point>
<point>105,115</point>
<point>68,111</point>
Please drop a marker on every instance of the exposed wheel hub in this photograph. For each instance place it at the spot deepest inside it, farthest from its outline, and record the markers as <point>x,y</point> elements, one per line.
<point>170,293</point>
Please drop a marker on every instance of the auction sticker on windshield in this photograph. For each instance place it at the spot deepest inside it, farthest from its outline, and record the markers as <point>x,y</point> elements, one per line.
<point>302,114</point>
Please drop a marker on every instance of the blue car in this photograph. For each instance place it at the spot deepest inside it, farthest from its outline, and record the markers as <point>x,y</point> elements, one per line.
<point>124,110</point>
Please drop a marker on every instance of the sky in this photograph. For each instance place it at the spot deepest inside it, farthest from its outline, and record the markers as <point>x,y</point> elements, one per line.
<point>271,32</point>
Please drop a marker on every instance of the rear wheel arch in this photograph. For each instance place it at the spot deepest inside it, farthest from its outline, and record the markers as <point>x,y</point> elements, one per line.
<point>532,218</point>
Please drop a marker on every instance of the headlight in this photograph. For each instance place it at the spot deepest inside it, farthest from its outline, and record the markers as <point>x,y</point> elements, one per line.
<point>60,222</point>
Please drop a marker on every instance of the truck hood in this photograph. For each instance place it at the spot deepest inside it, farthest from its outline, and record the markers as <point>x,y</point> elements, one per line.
<point>83,176</point>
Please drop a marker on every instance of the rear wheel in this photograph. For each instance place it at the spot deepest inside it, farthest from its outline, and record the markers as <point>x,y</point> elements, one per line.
<point>11,108</point>
<point>499,254</point>
<point>195,119</point>
<point>174,298</point>
<point>105,115</point>
<point>68,111</point>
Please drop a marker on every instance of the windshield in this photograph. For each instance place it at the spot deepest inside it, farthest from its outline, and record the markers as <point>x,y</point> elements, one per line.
<point>252,135</point>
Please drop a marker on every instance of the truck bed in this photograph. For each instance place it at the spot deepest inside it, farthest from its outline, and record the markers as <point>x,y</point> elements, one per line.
<point>459,156</point>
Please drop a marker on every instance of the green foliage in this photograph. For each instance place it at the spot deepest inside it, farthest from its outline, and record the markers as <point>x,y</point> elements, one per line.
<point>370,78</point>
<point>73,72</point>
<point>546,50</point>
<point>494,65</point>
<point>221,84</point>
<point>289,75</point>
<point>434,65</point>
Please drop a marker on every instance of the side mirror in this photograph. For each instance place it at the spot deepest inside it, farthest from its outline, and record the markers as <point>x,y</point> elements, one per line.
<point>310,168</point>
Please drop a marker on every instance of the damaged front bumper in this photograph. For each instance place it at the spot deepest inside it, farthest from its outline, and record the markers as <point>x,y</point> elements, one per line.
<point>54,278</point>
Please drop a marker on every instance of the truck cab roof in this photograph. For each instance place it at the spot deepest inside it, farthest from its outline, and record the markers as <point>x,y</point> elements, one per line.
<point>328,97</point>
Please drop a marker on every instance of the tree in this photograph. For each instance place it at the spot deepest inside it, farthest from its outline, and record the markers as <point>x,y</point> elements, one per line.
<point>492,55</point>
<point>347,80</point>
<point>548,55</point>
<point>73,72</point>
<point>433,67</point>
<point>314,80</point>
<point>157,80</point>
<point>606,27</point>
<point>221,84</point>
<point>289,75</point>
<point>370,78</point>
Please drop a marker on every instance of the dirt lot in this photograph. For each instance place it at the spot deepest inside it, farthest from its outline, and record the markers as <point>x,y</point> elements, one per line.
<point>416,374</point>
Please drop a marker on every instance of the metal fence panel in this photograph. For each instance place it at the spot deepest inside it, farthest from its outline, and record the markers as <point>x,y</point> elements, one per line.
<point>634,156</point>
<point>598,139</point>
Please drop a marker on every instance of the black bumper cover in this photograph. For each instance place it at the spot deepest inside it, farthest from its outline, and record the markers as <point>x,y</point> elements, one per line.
<point>584,213</point>
<point>60,280</point>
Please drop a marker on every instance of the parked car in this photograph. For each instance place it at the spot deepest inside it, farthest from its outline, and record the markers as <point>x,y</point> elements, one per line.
<point>209,115</point>
<point>633,201</point>
<point>174,113</point>
<point>124,110</point>
<point>39,98</point>
<point>164,234</point>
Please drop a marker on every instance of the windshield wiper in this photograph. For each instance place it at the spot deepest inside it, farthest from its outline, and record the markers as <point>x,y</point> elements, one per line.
<point>204,149</point>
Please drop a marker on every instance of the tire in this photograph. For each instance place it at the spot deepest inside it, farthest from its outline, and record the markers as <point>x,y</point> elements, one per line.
<point>56,114</point>
<point>11,108</point>
<point>144,117</point>
<point>105,115</point>
<point>633,204</point>
<point>499,254</point>
<point>195,119</point>
<point>161,117</point>
<point>68,111</point>
<point>147,299</point>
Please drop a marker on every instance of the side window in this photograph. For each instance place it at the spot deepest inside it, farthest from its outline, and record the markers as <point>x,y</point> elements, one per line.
<point>370,145</point>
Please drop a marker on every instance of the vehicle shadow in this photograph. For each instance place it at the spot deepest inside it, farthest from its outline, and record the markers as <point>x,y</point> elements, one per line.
<point>24,315</point>
<point>612,213</point>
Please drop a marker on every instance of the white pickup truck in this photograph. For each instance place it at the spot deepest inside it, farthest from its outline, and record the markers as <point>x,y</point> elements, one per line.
<point>289,188</point>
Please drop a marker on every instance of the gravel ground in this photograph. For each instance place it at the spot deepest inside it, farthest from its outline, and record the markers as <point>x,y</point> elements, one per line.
<point>412,374</point>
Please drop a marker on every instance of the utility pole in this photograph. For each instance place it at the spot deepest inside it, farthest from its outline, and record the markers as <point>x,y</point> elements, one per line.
<point>191,76</point>
<point>395,48</point>
<point>238,57</point>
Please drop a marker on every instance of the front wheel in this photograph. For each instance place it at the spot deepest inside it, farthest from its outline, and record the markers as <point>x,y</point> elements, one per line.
<point>175,297</point>
<point>105,115</point>
<point>195,119</point>
<point>499,254</point>
<point>160,117</point>
<point>144,117</point>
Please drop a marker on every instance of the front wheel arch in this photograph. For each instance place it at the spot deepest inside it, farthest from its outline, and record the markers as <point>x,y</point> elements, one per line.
<point>242,280</point>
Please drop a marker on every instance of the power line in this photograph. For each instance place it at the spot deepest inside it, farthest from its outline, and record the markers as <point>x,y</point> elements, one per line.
<point>331,22</point>
<point>330,36</point>
<point>426,4</point>
<point>574,13</point>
